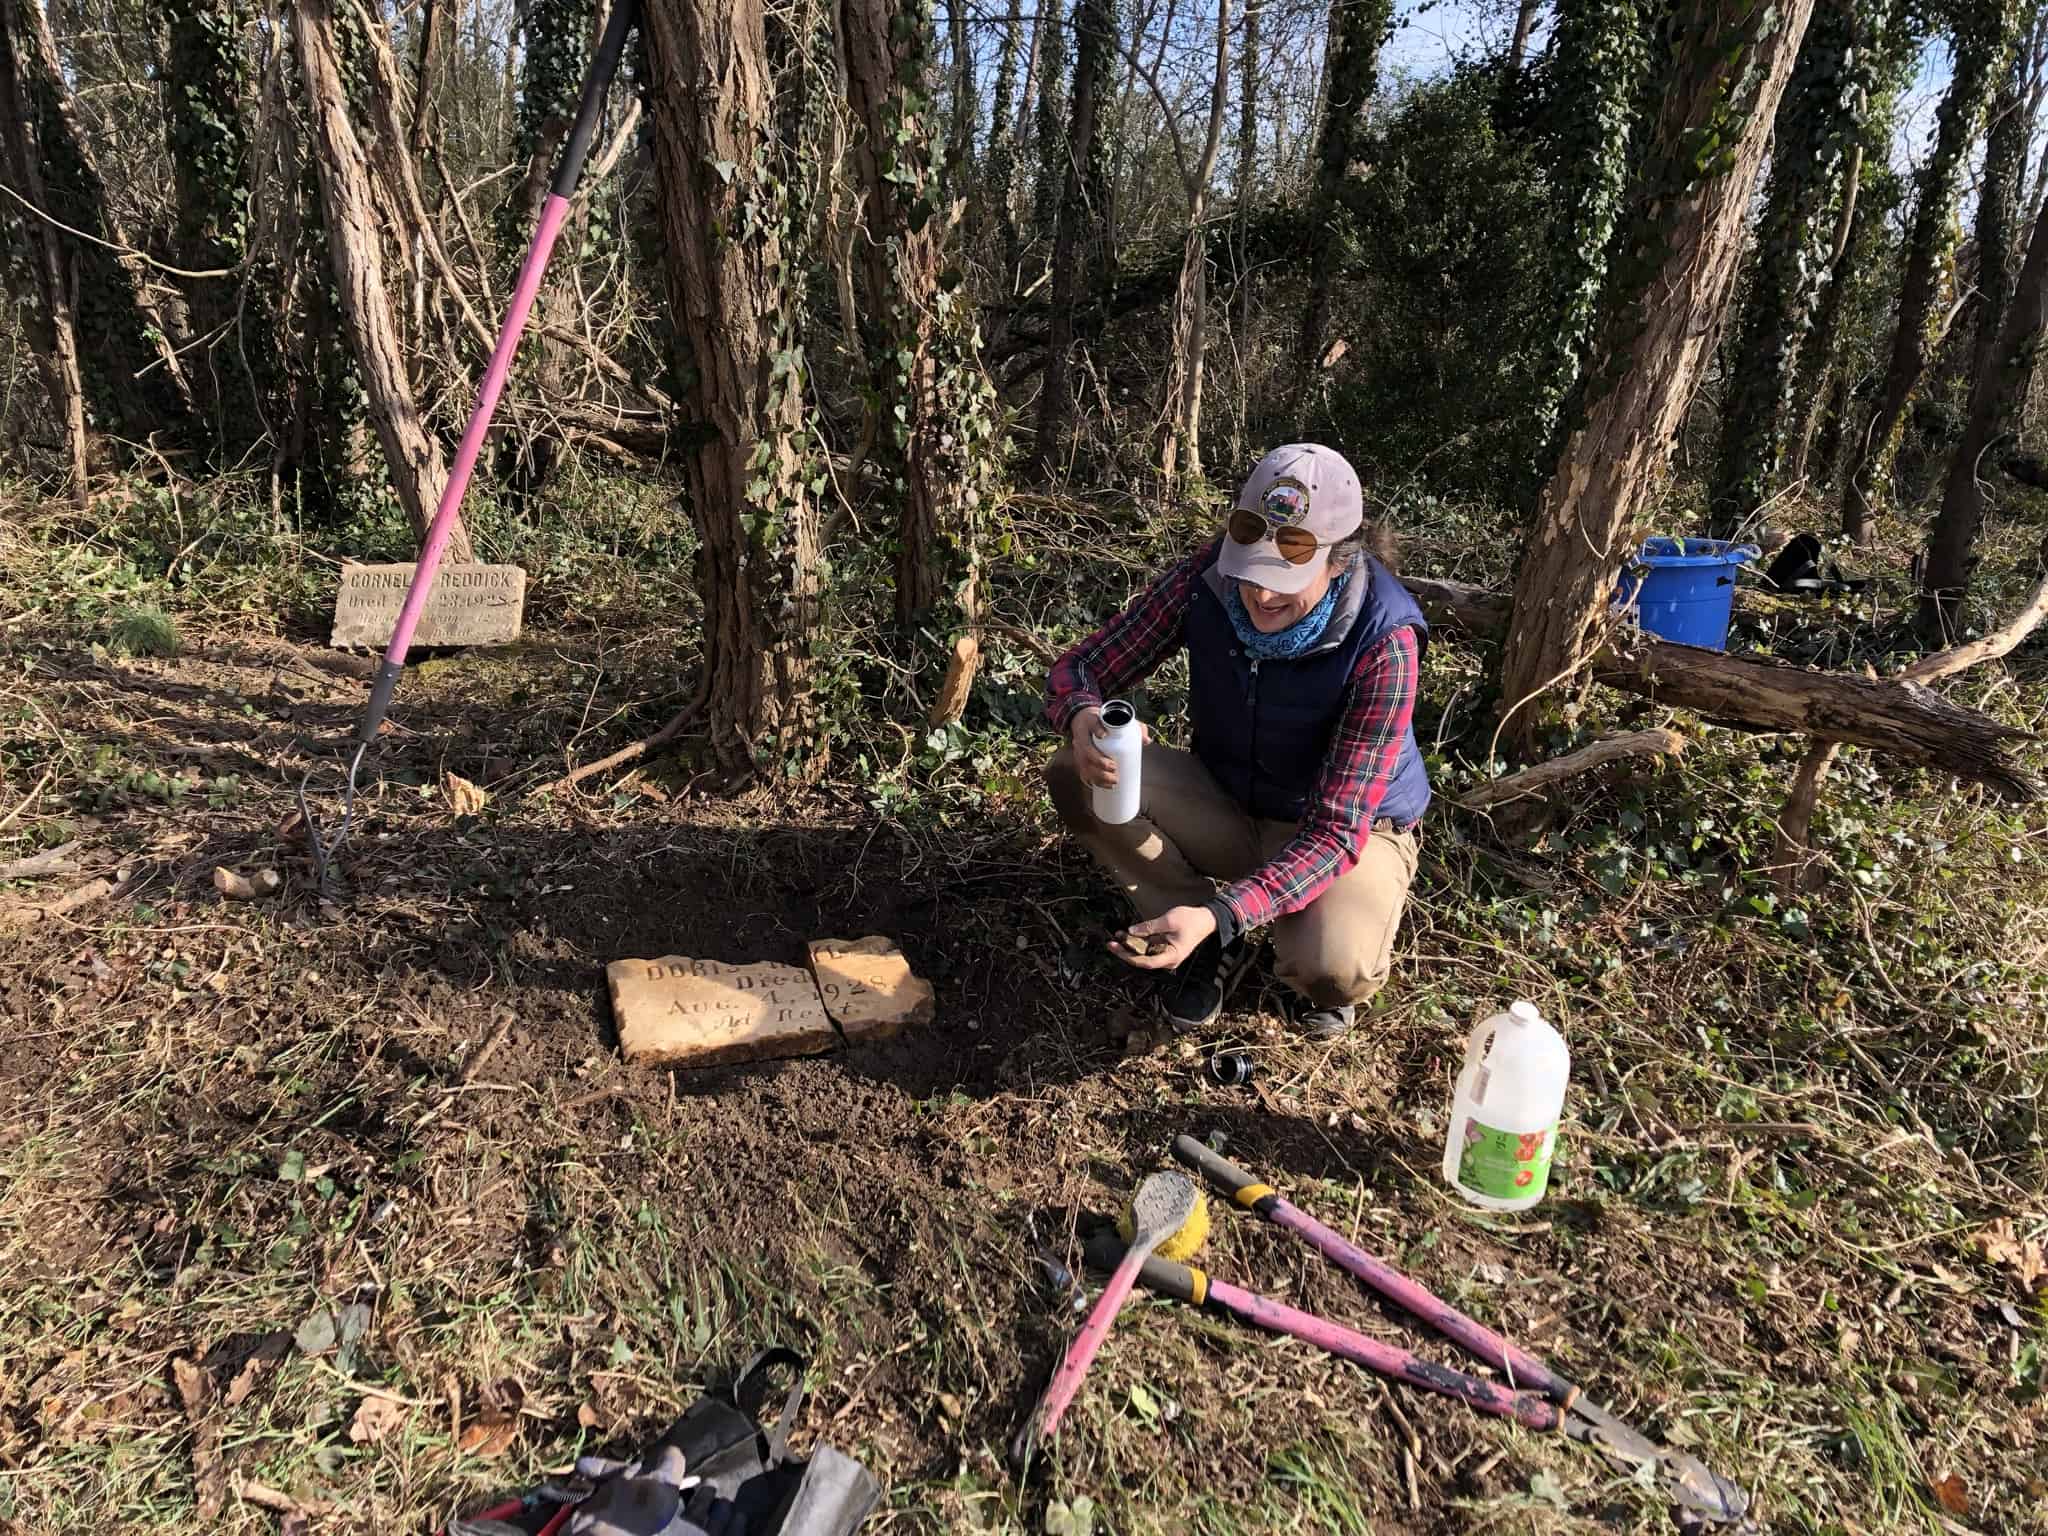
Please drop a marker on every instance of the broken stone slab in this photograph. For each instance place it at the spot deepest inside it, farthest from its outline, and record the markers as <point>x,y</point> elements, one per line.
<point>680,1012</point>
<point>467,605</point>
<point>869,988</point>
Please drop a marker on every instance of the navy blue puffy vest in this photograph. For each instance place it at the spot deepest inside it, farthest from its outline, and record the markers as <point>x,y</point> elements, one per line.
<point>1262,731</point>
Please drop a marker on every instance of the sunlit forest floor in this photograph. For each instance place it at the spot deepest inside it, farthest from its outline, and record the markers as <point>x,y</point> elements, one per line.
<point>1797,1225</point>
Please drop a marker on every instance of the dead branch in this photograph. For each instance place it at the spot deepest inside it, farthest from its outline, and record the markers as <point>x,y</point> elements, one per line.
<point>1656,742</point>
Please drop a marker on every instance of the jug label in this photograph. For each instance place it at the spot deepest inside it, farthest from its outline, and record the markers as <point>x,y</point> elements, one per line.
<point>1505,1165</point>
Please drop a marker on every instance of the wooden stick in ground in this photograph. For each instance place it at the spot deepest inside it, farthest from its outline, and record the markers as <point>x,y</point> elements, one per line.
<point>1655,742</point>
<point>951,702</point>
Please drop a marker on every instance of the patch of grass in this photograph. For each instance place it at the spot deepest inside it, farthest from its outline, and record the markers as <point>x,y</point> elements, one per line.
<point>143,631</point>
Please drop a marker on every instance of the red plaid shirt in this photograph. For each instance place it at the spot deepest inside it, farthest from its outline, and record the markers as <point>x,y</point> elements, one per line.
<point>1379,704</point>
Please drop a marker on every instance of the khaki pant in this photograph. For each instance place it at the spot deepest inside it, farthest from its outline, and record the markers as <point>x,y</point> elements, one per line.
<point>1188,834</point>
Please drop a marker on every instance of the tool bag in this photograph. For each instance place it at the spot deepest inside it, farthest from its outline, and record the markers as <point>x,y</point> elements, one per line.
<point>746,1482</point>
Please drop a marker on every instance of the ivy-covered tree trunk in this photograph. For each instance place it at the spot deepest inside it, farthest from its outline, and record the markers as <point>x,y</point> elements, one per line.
<point>1180,447</point>
<point>1728,61</point>
<point>353,216</point>
<point>935,405</point>
<point>1599,57</point>
<point>966,97</point>
<point>559,37</point>
<point>233,370</point>
<point>133,384</point>
<point>1083,206</point>
<point>1818,122</point>
<point>1998,191</point>
<point>1984,31</point>
<point>1001,179</point>
<point>1049,178</point>
<point>1994,404</point>
<point>1350,76</point>
<point>723,189</point>
<point>38,263</point>
<point>1817,387</point>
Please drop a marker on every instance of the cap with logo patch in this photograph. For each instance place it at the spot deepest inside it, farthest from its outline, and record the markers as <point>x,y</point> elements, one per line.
<point>1303,485</point>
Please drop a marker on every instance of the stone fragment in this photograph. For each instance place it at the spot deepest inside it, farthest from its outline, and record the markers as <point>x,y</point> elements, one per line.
<point>869,988</point>
<point>699,1013</point>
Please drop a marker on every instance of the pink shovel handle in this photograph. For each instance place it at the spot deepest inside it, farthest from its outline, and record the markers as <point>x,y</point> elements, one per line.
<point>1066,1381</point>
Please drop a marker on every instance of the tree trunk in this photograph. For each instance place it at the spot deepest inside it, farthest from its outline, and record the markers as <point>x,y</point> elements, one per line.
<point>1994,405</point>
<point>1180,448</point>
<point>1518,46</point>
<point>1245,181</point>
<point>1666,299</point>
<point>433,24</point>
<point>203,124</point>
<point>560,35</point>
<point>1898,716</point>
<point>133,383</point>
<point>352,214</point>
<point>48,316</point>
<point>1049,47</point>
<point>1351,76</point>
<point>1600,55</point>
<point>1002,143</point>
<point>1079,230</point>
<point>2005,147</point>
<point>1979,58</point>
<point>966,105</point>
<point>712,112</point>
<point>1819,119</point>
<point>1817,381</point>
<point>935,408</point>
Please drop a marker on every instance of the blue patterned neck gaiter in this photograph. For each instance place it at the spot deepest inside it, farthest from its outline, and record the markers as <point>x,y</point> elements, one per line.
<point>1296,638</point>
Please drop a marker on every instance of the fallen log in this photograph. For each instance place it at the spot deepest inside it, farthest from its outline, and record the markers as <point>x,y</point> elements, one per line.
<point>1896,716</point>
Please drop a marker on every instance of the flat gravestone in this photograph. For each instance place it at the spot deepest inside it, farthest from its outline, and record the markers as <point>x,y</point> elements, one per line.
<point>467,605</point>
<point>699,1013</point>
<point>869,988</point>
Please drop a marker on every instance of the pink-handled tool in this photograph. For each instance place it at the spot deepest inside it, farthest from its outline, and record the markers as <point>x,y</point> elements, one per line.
<point>1534,1394</point>
<point>1186,1283</point>
<point>568,171</point>
<point>1165,1203</point>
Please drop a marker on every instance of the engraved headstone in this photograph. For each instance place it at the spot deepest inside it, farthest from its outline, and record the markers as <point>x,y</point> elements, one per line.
<point>698,1013</point>
<point>467,605</point>
<point>869,988</point>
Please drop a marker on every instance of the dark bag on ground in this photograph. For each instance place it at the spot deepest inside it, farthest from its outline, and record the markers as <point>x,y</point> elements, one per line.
<point>747,1482</point>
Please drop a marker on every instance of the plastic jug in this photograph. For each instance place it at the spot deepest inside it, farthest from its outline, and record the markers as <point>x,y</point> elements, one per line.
<point>1504,1114</point>
<point>1121,738</point>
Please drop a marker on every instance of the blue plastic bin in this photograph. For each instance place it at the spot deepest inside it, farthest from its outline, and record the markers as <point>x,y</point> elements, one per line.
<point>1684,589</point>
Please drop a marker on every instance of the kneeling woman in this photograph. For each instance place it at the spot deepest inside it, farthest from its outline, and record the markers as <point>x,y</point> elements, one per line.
<point>1305,785</point>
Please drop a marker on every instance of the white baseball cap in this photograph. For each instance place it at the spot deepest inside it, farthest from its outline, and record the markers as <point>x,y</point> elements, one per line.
<point>1303,485</point>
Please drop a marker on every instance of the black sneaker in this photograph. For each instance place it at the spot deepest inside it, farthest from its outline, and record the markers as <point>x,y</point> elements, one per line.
<point>1196,991</point>
<point>1323,1023</point>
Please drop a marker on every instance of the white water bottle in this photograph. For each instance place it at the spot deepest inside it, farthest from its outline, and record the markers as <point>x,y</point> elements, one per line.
<point>1504,1113</point>
<point>1123,742</point>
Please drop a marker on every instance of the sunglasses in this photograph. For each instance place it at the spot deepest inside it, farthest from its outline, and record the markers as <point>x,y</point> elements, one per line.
<point>1297,545</point>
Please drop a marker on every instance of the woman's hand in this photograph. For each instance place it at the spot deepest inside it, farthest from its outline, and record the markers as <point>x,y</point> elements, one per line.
<point>1174,937</point>
<point>1096,767</point>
